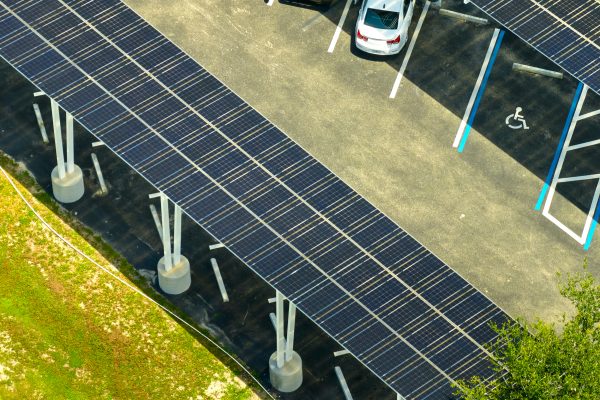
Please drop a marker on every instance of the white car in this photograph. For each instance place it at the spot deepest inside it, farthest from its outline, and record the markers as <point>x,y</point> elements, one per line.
<point>382,25</point>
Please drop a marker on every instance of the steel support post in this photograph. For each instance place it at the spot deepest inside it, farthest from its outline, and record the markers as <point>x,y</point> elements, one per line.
<point>60,161</point>
<point>285,365</point>
<point>70,144</point>
<point>279,329</point>
<point>166,235</point>
<point>177,235</point>
<point>289,340</point>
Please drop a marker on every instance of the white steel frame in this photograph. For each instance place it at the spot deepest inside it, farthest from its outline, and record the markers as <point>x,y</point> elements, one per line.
<point>171,257</point>
<point>285,345</point>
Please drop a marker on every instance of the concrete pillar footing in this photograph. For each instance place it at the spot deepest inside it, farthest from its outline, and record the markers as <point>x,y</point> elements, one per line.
<point>177,280</point>
<point>287,378</point>
<point>70,188</point>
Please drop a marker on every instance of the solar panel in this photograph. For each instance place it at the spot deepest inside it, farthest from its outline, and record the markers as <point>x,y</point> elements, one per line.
<point>565,31</point>
<point>396,307</point>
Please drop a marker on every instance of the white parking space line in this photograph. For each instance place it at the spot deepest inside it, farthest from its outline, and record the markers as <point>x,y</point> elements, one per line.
<point>578,178</point>
<point>588,115</point>
<point>409,51</point>
<point>555,180</point>
<point>463,123</point>
<point>582,145</point>
<point>338,29</point>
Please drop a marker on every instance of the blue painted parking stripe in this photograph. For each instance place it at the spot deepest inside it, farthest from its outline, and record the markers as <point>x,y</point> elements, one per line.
<point>561,143</point>
<point>480,93</point>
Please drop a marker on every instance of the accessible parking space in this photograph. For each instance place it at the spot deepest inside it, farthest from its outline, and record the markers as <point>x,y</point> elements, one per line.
<point>544,104</point>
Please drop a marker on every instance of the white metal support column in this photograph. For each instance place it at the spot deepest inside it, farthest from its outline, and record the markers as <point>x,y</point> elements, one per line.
<point>166,234</point>
<point>70,144</point>
<point>177,235</point>
<point>174,274</point>
<point>279,329</point>
<point>285,365</point>
<point>60,160</point>
<point>67,178</point>
<point>289,340</point>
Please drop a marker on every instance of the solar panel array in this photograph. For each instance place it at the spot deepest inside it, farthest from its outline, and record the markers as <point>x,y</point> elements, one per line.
<point>565,31</point>
<point>396,307</point>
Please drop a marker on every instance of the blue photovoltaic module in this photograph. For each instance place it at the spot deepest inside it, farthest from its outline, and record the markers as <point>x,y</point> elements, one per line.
<point>565,31</point>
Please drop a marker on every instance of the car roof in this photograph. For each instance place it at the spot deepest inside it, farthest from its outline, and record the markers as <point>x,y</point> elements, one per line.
<point>388,5</point>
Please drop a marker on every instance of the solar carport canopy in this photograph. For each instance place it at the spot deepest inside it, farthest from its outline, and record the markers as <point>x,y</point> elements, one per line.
<point>565,31</point>
<point>395,306</point>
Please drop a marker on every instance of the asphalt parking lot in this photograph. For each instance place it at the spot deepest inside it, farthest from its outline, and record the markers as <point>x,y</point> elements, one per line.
<point>474,209</point>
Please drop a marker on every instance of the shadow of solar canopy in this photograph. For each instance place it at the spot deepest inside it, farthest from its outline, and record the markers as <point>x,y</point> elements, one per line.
<point>408,317</point>
<point>565,31</point>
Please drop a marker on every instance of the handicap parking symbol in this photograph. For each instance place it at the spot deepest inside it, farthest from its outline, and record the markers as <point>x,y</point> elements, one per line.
<point>516,120</point>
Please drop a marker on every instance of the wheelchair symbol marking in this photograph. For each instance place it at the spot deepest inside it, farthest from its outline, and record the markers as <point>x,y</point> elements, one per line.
<point>517,119</point>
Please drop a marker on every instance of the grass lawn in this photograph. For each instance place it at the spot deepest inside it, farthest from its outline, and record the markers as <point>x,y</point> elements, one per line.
<point>68,330</point>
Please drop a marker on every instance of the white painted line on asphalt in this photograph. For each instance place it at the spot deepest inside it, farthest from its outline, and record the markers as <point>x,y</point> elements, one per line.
<point>98,144</point>
<point>216,246</point>
<point>588,115</point>
<point>582,145</point>
<point>463,123</point>
<point>555,180</point>
<point>338,29</point>
<point>40,121</point>
<point>578,178</point>
<point>99,174</point>
<point>409,51</point>
<point>220,282</point>
<point>38,94</point>
<point>154,195</point>
<point>340,353</point>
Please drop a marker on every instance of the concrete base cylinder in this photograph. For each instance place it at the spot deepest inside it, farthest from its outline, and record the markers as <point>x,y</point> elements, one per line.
<point>70,188</point>
<point>289,377</point>
<point>177,280</point>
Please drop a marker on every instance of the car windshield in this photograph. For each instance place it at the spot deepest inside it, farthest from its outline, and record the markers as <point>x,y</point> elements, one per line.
<point>382,19</point>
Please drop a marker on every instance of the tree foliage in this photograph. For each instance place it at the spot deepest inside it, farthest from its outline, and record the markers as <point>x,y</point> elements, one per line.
<point>539,362</point>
